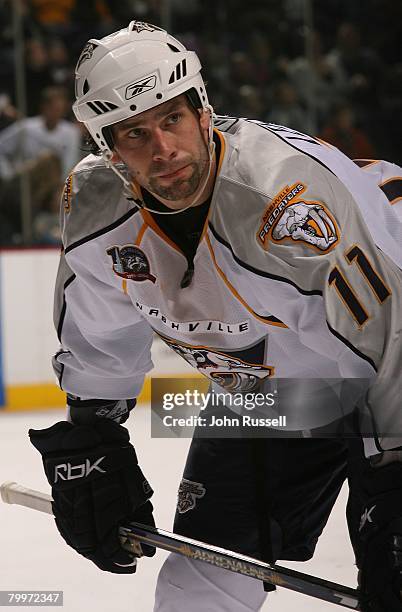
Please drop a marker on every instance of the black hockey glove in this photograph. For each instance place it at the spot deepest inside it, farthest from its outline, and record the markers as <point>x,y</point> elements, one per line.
<point>380,563</point>
<point>97,485</point>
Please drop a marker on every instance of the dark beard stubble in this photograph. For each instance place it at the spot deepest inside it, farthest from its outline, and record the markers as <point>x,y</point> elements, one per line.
<point>179,189</point>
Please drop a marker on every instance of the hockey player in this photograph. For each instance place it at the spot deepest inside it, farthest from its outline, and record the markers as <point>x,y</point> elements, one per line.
<point>292,254</point>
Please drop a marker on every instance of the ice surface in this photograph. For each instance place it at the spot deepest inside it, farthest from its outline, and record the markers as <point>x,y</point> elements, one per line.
<point>34,557</point>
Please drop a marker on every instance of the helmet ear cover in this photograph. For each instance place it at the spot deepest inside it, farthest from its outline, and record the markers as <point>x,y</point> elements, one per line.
<point>194,99</point>
<point>108,136</point>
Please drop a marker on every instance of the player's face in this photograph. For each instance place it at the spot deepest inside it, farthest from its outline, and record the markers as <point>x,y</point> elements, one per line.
<point>165,150</point>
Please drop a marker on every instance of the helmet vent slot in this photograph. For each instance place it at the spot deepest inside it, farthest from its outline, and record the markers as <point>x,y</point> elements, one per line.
<point>179,72</point>
<point>101,107</point>
<point>173,48</point>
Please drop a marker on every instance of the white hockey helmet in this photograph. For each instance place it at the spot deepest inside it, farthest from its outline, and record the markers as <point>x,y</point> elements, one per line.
<point>131,71</point>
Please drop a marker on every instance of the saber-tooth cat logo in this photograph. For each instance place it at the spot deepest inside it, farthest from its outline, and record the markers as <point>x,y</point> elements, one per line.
<point>131,263</point>
<point>290,218</point>
<point>86,54</point>
<point>189,492</point>
<point>141,26</point>
<point>227,370</point>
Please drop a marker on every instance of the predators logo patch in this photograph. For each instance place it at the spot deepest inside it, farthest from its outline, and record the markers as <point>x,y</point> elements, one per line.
<point>288,217</point>
<point>189,492</point>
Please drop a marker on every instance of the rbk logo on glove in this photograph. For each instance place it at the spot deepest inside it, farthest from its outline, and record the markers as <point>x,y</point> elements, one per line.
<point>366,517</point>
<point>94,474</point>
<point>67,471</point>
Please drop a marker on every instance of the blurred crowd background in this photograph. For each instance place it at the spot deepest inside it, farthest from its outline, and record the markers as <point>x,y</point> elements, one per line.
<point>329,68</point>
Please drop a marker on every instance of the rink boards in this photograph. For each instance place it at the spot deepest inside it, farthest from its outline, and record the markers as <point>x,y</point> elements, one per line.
<point>28,339</point>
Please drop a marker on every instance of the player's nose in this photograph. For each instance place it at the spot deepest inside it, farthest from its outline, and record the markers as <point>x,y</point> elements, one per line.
<point>163,144</point>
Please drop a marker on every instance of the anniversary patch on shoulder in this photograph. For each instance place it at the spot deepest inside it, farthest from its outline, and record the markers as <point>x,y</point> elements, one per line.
<point>130,263</point>
<point>289,217</point>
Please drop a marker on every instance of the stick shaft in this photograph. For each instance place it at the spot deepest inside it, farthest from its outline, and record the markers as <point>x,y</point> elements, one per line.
<point>12,493</point>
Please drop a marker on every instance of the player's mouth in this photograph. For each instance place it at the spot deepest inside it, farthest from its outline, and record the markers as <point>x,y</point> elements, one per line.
<point>174,174</point>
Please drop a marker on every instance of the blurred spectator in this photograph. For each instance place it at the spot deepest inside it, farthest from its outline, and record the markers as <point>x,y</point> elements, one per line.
<point>46,224</point>
<point>37,73</point>
<point>241,70</point>
<point>287,110</point>
<point>43,148</point>
<point>265,64</point>
<point>389,129</point>
<point>59,64</point>
<point>243,93</point>
<point>255,65</point>
<point>6,49</point>
<point>360,69</point>
<point>342,132</point>
<point>52,13</point>
<point>74,21</point>
<point>56,17</point>
<point>251,102</point>
<point>48,132</point>
<point>8,113</point>
<point>43,175</point>
<point>318,83</point>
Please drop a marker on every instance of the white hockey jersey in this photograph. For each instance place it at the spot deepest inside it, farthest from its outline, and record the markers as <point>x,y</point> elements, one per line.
<point>297,274</point>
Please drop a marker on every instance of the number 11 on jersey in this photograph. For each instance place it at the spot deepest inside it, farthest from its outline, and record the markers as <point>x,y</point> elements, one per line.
<point>345,290</point>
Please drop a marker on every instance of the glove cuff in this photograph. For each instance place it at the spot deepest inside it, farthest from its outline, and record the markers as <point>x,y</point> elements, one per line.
<point>87,412</point>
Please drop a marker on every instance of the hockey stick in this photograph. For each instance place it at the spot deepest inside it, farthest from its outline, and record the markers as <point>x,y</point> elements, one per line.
<point>131,535</point>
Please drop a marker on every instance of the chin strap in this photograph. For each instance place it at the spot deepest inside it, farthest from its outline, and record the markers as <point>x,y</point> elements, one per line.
<point>107,158</point>
<point>108,155</point>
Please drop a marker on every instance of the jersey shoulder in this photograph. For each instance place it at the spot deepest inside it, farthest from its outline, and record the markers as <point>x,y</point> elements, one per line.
<point>388,176</point>
<point>259,155</point>
<point>92,200</point>
<point>290,189</point>
<point>262,161</point>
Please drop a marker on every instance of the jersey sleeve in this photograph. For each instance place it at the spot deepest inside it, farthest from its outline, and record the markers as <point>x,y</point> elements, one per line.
<point>322,240</point>
<point>388,177</point>
<point>105,344</point>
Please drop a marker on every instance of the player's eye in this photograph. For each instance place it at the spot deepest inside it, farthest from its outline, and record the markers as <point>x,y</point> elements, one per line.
<point>173,118</point>
<point>135,133</point>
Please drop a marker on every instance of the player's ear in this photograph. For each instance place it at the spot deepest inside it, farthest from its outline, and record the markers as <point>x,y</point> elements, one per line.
<point>205,118</point>
<point>115,157</point>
